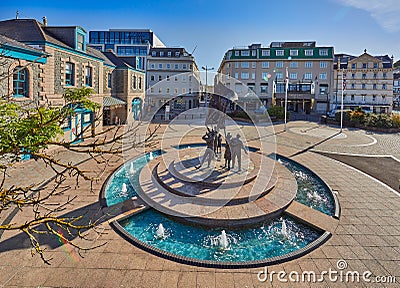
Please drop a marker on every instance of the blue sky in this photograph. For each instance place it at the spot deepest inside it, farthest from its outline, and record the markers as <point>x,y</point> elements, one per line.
<point>216,26</point>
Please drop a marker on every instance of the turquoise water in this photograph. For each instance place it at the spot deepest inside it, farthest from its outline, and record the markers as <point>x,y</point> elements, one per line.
<point>114,192</point>
<point>257,243</point>
<point>311,190</point>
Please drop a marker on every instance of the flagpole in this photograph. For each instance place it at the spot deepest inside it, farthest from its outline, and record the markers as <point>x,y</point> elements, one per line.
<point>286,91</point>
<point>341,106</point>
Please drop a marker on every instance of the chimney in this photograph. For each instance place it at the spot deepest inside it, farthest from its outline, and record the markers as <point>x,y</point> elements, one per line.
<point>44,21</point>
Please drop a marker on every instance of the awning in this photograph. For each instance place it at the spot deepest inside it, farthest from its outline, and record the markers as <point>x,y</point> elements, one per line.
<point>112,101</point>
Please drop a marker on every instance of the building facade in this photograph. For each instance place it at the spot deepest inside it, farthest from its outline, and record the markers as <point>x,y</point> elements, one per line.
<point>134,43</point>
<point>61,60</point>
<point>369,82</point>
<point>172,73</point>
<point>263,71</point>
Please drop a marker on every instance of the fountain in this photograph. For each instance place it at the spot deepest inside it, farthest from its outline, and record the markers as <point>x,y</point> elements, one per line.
<point>124,189</point>
<point>160,233</point>
<point>151,157</point>
<point>131,170</point>
<point>284,229</point>
<point>223,241</point>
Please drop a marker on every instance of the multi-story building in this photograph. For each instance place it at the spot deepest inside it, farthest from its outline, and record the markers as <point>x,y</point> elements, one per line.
<point>64,61</point>
<point>172,83</point>
<point>396,89</point>
<point>134,43</point>
<point>369,82</point>
<point>263,71</point>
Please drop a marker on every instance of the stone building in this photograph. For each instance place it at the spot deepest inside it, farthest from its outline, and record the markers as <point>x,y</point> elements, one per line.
<point>369,82</point>
<point>70,63</point>
<point>20,70</point>
<point>172,82</point>
<point>125,84</point>
<point>261,71</point>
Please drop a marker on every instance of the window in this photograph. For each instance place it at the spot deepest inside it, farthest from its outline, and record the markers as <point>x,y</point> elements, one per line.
<point>190,78</point>
<point>159,77</point>
<point>265,53</point>
<point>279,52</point>
<point>167,91</point>
<point>294,64</point>
<point>364,76</point>
<point>161,54</point>
<point>308,64</point>
<point>253,52</point>
<point>363,86</point>
<point>323,89</point>
<point>309,52</point>
<point>109,80</point>
<point>184,78</point>
<point>264,76</point>
<point>353,86</point>
<point>323,52</point>
<point>323,76</point>
<point>253,64</point>
<point>384,98</point>
<point>183,90</point>
<point>384,75</point>
<point>154,53</point>
<point>374,98</point>
<point>169,53</point>
<point>160,90</point>
<point>236,64</point>
<point>353,75</point>
<point>238,87</point>
<point>308,76</point>
<point>323,64</point>
<point>167,78</point>
<point>152,78</point>
<point>160,66</point>
<point>168,65</point>
<point>176,78</point>
<point>280,88</point>
<point>374,86</point>
<point>237,75</point>
<point>176,90</point>
<point>245,75</point>
<point>264,88</point>
<point>383,86</point>
<point>245,53</point>
<point>184,66</point>
<point>236,53</point>
<point>375,75</point>
<point>152,90</point>
<point>363,98</point>
<point>80,42</point>
<point>176,66</point>
<point>177,54</point>
<point>353,66</point>
<point>245,64</point>
<point>134,82</point>
<point>293,76</point>
<point>265,65</point>
<point>352,97</point>
<point>279,75</point>
<point>69,74</point>
<point>294,52</point>
<point>253,75</point>
<point>20,82</point>
<point>153,66</point>
<point>375,65</point>
<point>364,65</point>
<point>279,64</point>
<point>140,83</point>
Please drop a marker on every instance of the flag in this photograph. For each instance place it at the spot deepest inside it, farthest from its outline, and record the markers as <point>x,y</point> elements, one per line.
<point>287,79</point>
<point>344,81</point>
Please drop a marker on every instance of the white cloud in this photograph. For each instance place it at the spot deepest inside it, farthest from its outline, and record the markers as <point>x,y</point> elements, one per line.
<point>385,12</point>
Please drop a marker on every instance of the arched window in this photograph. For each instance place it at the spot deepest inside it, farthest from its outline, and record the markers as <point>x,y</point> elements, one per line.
<point>134,82</point>
<point>20,82</point>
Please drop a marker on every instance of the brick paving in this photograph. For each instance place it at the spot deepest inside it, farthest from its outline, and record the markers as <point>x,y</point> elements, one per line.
<point>367,236</point>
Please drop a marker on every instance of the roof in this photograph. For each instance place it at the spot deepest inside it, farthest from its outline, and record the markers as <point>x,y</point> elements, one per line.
<point>14,43</point>
<point>112,101</point>
<point>165,50</point>
<point>30,30</point>
<point>115,60</point>
<point>345,58</point>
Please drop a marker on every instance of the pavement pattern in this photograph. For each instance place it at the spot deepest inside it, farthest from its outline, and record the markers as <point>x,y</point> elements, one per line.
<point>367,237</point>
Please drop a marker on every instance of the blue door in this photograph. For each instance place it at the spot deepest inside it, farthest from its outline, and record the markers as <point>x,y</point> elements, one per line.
<point>136,108</point>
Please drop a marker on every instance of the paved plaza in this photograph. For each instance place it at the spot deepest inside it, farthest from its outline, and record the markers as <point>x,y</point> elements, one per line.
<point>367,237</point>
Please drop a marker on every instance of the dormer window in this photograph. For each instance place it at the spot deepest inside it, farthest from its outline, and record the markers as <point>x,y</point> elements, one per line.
<point>80,39</point>
<point>154,53</point>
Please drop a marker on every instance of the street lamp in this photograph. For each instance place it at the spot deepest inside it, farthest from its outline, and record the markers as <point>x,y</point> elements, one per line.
<point>206,68</point>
